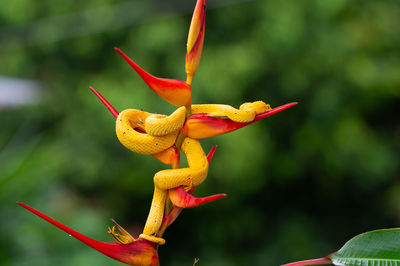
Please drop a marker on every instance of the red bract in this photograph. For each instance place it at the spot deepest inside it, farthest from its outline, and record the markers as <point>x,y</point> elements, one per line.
<point>200,126</point>
<point>195,40</point>
<point>139,252</point>
<point>174,91</point>
<point>163,137</point>
<point>181,198</point>
<point>170,156</point>
<point>185,199</point>
<point>105,102</point>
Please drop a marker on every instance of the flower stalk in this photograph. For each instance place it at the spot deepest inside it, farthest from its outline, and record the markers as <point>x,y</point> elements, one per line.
<point>164,137</point>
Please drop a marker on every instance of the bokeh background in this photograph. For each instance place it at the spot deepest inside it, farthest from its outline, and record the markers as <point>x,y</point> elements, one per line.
<point>300,183</point>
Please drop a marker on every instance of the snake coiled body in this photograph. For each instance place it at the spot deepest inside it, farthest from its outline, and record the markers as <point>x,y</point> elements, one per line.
<point>132,130</point>
<point>245,113</point>
<point>147,133</point>
<point>155,134</point>
<point>161,125</point>
<point>193,175</point>
<point>172,178</point>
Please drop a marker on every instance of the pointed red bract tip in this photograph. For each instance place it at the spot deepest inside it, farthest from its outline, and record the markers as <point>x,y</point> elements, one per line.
<point>196,24</point>
<point>179,197</point>
<point>210,155</point>
<point>139,252</point>
<point>105,102</point>
<point>174,91</point>
<point>200,126</point>
<point>273,111</point>
<point>321,261</point>
<point>175,211</point>
<point>169,219</point>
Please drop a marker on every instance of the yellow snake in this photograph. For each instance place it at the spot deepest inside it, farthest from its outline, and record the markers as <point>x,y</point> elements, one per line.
<point>147,133</point>
<point>172,178</point>
<point>245,113</point>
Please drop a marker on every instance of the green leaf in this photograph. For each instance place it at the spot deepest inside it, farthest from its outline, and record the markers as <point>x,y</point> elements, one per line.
<point>375,248</point>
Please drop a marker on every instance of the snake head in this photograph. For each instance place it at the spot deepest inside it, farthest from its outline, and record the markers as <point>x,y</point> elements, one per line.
<point>174,91</point>
<point>130,251</point>
<point>200,126</point>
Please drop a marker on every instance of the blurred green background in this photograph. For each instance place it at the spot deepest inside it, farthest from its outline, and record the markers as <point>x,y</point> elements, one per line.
<point>300,183</point>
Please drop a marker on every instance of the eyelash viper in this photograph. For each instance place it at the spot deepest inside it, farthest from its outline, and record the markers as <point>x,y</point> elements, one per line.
<point>148,133</point>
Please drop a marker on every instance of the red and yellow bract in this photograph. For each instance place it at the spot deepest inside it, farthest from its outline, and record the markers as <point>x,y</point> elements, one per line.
<point>192,127</point>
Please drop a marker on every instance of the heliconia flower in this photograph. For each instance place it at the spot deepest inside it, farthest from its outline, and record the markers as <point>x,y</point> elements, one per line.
<point>129,250</point>
<point>175,210</point>
<point>170,156</point>
<point>174,91</point>
<point>112,110</point>
<point>169,219</point>
<point>210,155</point>
<point>181,198</point>
<point>195,40</point>
<point>120,234</point>
<point>185,199</point>
<point>199,126</point>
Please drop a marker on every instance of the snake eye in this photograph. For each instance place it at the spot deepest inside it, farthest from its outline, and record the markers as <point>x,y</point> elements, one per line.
<point>105,102</point>
<point>137,123</point>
